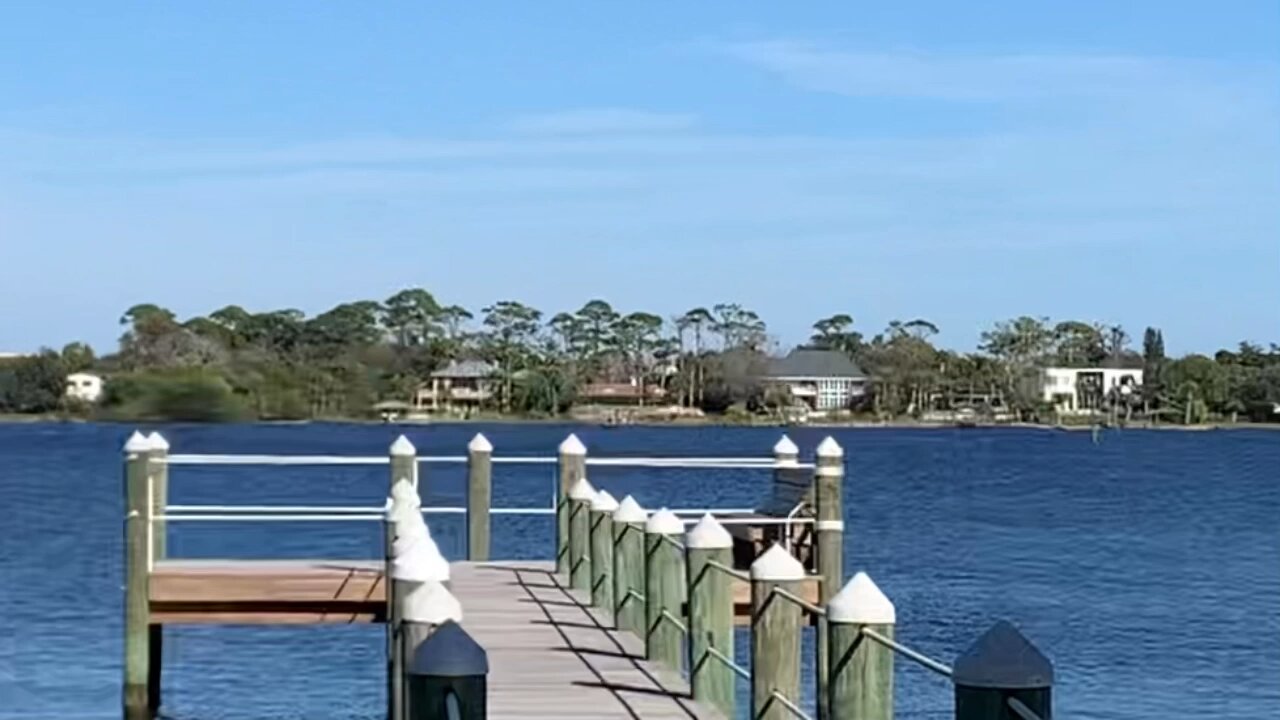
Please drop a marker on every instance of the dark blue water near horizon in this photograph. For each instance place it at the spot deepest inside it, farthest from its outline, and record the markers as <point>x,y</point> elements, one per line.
<point>1147,566</point>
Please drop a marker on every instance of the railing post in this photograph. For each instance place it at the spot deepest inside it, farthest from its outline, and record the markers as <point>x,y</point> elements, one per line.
<point>417,575</point>
<point>602,508</point>
<point>664,588</point>
<point>573,466</point>
<point>137,604</point>
<point>580,497</point>
<point>448,677</point>
<point>1001,668</point>
<point>786,455</point>
<point>628,566</point>
<point>427,607</point>
<point>710,614</point>
<point>775,633</point>
<point>861,681</point>
<point>479,496</point>
<point>158,469</point>
<point>403,467</point>
<point>829,542</point>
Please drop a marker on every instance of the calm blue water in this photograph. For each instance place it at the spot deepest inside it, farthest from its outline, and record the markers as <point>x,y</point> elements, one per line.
<point>1147,567</point>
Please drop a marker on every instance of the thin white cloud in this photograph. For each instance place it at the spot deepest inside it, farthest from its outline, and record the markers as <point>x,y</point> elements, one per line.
<point>970,77</point>
<point>594,121</point>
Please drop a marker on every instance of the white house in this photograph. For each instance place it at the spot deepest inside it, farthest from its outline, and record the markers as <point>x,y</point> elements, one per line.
<point>822,379</point>
<point>1080,391</point>
<point>84,387</point>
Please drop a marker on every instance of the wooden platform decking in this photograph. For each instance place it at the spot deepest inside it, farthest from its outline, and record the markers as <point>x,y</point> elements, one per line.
<point>288,592</point>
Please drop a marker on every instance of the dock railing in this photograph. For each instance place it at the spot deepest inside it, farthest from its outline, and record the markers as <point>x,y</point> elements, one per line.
<point>674,587</point>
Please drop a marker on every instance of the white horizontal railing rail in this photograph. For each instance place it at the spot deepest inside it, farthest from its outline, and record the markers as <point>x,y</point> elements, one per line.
<point>746,463</point>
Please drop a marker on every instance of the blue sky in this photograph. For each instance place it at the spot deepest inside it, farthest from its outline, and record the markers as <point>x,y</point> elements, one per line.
<point>962,162</point>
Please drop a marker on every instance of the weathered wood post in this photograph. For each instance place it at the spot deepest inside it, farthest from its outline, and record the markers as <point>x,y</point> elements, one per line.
<point>580,497</point>
<point>829,542</point>
<point>602,508</point>
<point>448,677</point>
<point>628,566</point>
<point>710,614</point>
<point>1000,669</point>
<point>573,466</point>
<point>426,608</point>
<point>403,466</point>
<point>158,469</point>
<point>785,458</point>
<point>664,588</point>
<point>775,634</point>
<point>137,584</point>
<point>479,496</point>
<point>861,683</point>
<point>417,574</point>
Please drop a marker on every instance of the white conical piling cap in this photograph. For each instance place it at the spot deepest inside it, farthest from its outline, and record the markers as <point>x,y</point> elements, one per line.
<point>403,491</point>
<point>664,522</point>
<point>421,562</point>
<point>785,447</point>
<point>861,601</point>
<point>708,534</point>
<point>777,564</point>
<point>430,602</point>
<point>137,443</point>
<point>480,444</point>
<point>604,502</point>
<point>582,490</point>
<point>158,442</point>
<point>829,448</point>
<point>572,446</point>
<point>629,511</point>
<point>408,535</point>
<point>402,447</point>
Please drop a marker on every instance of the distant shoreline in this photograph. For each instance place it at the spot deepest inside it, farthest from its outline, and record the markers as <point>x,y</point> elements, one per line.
<point>20,419</point>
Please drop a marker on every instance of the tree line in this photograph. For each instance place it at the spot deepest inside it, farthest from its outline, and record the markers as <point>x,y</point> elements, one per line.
<point>281,364</point>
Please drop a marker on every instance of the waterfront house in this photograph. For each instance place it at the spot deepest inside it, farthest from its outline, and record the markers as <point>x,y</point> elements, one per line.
<point>1081,391</point>
<point>632,393</point>
<point>462,385</point>
<point>84,387</point>
<point>823,380</point>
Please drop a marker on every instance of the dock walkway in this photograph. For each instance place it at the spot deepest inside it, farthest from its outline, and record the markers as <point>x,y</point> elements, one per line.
<point>551,657</point>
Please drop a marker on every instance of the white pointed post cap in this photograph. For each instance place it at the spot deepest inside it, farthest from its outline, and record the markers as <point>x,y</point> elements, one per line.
<point>137,443</point>
<point>409,536</point>
<point>785,447</point>
<point>572,446</point>
<point>158,442</point>
<point>664,522</point>
<point>402,447</point>
<point>431,602</point>
<point>829,448</point>
<point>403,490</point>
<point>480,444</point>
<point>582,490</point>
<point>629,511</point>
<point>421,562</point>
<point>777,564</point>
<point>604,502</point>
<point>861,601</point>
<point>708,534</point>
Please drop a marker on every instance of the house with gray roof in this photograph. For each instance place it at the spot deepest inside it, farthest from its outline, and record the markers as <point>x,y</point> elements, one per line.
<point>462,385</point>
<point>823,380</point>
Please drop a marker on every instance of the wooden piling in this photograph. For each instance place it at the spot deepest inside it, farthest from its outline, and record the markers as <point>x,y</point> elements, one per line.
<point>664,588</point>
<point>448,678</point>
<point>137,610</point>
<point>710,614</point>
<point>775,634</point>
<point>158,469</point>
<point>1000,669</point>
<point>479,497</point>
<point>580,497</point>
<point>861,681</point>
<point>602,508</point>
<point>425,608</point>
<point>417,584</point>
<point>829,543</point>
<point>628,566</point>
<point>573,466</point>
<point>403,467</point>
